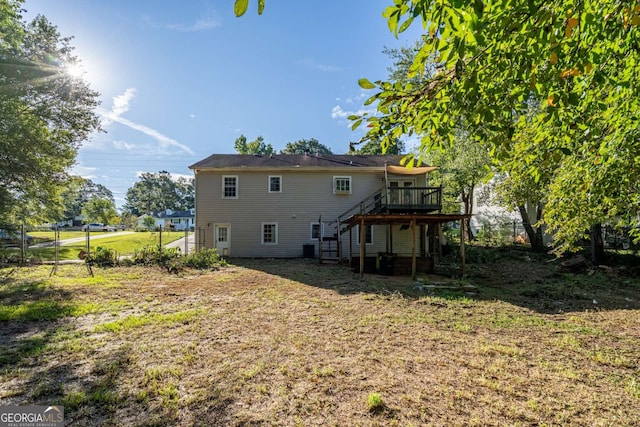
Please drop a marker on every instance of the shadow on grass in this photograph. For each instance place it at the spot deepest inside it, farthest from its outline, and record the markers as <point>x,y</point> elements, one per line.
<point>48,358</point>
<point>512,275</point>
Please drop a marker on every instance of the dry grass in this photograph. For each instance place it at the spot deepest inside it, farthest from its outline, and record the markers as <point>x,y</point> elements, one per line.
<point>292,343</point>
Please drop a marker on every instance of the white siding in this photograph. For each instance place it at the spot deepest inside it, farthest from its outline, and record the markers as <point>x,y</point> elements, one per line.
<point>305,196</point>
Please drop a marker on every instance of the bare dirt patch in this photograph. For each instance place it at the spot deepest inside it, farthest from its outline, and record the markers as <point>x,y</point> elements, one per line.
<point>288,342</point>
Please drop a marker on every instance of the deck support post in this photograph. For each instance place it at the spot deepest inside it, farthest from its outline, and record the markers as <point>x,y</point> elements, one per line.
<point>320,239</point>
<point>413,249</point>
<point>362,246</point>
<point>350,246</point>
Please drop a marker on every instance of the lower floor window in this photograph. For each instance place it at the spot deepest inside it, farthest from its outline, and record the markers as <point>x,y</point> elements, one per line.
<point>368,234</point>
<point>269,233</point>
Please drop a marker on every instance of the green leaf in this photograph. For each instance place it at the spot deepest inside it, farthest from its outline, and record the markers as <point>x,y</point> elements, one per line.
<point>405,25</point>
<point>371,100</point>
<point>260,7</point>
<point>366,84</point>
<point>356,124</point>
<point>565,151</point>
<point>240,7</point>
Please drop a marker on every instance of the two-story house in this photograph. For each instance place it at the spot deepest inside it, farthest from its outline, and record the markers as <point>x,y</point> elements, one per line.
<point>326,206</point>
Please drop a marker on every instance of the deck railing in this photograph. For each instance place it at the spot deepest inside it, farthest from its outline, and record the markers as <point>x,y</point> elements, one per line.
<point>414,199</point>
<point>398,200</point>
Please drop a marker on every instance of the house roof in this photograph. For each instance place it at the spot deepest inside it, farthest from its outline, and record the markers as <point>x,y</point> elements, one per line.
<point>174,214</point>
<point>218,161</point>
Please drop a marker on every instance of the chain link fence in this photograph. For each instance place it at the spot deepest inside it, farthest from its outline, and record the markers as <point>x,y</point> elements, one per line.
<point>20,244</point>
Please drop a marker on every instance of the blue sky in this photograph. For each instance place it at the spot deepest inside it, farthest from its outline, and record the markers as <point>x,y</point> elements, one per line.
<point>180,81</point>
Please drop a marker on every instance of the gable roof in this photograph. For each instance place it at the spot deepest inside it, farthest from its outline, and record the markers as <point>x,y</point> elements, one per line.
<point>216,161</point>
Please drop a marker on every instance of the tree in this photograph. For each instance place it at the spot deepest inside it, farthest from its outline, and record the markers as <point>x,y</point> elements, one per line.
<point>516,188</point>
<point>373,146</point>
<point>79,191</point>
<point>254,147</point>
<point>45,114</point>
<point>581,58</point>
<point>306,146</point>
<point>156,192</point>
<point>148,222</point>
<point>186,193</point>
<point>129,221</point>
<point>465,163</point>
<point>463,166</point>
<point>100,210</point>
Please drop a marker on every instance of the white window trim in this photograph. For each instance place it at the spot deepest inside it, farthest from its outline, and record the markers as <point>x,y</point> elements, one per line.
<point>335,181</point>
<point>358,234</point>
<point>311,230</point>
<point>269,183</point>
<point>237,186</point>
<point>262,233</point>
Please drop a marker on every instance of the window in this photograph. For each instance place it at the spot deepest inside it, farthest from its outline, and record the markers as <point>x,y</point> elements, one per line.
<point>275,184</point>
<point>341,185</point>
<point>315,230</point>
<point>229,187</point>
<point>368,234</point>
<point>269,233</point>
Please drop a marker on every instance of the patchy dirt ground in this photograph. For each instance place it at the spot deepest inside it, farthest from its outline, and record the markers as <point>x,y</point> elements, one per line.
<point>288,342</point>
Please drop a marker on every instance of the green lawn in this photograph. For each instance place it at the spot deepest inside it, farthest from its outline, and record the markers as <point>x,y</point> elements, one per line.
<point>49,234</point>
<point>291,342</point>
<point>122,244</point>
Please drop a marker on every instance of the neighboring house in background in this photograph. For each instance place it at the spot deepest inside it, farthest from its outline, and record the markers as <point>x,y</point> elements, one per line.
<point>169,219</point>
<point>270,206</point>
<point>75,222</point>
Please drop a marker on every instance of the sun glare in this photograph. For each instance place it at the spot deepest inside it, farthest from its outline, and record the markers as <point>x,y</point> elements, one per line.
<point>74,70</point>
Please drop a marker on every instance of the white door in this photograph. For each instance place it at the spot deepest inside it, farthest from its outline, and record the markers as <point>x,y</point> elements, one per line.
<point>401,197</point>
<point>222,236</point>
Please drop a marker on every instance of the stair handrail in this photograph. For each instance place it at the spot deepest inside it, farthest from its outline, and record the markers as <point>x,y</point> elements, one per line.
<point>364,205</point>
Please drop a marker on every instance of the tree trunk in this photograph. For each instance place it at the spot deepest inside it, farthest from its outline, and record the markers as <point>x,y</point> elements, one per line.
<point>467,201</point>
<point>535,235</point>
<point>597,244</point>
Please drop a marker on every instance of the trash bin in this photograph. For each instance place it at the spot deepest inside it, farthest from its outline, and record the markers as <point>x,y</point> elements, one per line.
<point>387,264</point>
<point>308,251</point>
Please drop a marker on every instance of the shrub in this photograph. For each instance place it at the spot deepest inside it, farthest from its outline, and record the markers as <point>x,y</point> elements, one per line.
<point>205,258</point>
<point>102,257</point>
<point>151,255</point>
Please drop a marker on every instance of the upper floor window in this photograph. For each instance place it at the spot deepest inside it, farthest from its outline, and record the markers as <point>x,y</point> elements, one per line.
<point>229,186</point>
<point>275,184</point>
<point>341,185</point>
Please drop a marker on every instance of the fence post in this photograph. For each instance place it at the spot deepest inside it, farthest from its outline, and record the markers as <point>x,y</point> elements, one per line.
<point>23,244</point>
<point>87,239</point>
<point>186,241</point>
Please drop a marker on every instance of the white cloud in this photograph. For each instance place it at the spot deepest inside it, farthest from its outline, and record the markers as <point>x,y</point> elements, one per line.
<point>206,22</point>
<point>176,176</point>
<point>123,145</point>
<point>84,171</point>
<point>310,63</point>
<point>165,141</point>
<point>338,112</point>
<point>121,102</point>
<point>351,100</point>
<point>121,106</point>
<point>202,24</point>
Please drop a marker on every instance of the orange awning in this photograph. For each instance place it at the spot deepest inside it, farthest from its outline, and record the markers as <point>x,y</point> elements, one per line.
<point>402,170</point>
